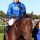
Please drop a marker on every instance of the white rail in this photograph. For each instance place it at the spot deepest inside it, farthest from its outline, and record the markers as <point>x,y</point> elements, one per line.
<point>3,25</point>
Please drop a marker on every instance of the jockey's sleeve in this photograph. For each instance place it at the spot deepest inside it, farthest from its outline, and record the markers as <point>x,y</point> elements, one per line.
<point>9,14</point>
<point>23,9</point>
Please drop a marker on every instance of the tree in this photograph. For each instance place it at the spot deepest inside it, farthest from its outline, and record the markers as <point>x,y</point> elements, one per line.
<point>2,14</point>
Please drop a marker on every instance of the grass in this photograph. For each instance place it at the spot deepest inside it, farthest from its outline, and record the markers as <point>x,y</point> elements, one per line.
<point>32,38</point>
<point>1,28</point>
<point>1,36</point>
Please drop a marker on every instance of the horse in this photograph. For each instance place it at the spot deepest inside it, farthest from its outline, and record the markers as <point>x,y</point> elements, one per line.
<point>21,28</point>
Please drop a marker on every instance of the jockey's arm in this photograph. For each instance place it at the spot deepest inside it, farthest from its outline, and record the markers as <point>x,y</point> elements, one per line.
<point>23,10</point>
<point>9,13</point>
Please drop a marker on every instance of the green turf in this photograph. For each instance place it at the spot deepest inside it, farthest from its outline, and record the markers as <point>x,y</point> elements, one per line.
<point>32,38</point>
<point>1,28</point>
<point>1,36</point>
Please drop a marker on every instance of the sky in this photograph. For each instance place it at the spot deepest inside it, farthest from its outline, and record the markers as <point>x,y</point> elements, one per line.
<point>31,5</point>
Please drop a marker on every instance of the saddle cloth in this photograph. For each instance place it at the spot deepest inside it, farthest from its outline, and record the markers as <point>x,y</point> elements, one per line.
<point>11,21</point>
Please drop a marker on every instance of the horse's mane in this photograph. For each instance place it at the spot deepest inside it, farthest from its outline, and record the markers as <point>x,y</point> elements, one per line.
<point>27,16</point>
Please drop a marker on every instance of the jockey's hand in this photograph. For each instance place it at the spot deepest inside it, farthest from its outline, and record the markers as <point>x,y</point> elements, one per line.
<point>14,16</point>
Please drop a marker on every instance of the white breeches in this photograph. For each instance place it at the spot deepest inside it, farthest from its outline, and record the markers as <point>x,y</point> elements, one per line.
<point>11,21</point>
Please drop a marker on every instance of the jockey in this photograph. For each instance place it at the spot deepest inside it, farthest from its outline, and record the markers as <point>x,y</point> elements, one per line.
<point>16,10</point>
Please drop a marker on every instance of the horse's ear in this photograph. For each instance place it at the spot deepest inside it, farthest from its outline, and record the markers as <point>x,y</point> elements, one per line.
<point>27,16</point>
<point>30,15</point>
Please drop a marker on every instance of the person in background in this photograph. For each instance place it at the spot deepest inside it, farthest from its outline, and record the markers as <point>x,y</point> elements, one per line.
<point>36,31</point>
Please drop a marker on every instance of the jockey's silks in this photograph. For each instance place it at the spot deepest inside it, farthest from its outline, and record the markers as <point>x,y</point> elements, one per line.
<point>16,9</point>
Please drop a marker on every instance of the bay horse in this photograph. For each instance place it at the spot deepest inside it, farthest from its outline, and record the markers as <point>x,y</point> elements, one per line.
<point>22,26</point>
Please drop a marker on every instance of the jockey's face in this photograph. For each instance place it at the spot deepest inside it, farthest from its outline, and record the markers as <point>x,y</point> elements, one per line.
<point>16,1</point>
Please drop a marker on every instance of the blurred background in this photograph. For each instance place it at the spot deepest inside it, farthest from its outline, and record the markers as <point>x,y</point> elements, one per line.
<point>32,7</point>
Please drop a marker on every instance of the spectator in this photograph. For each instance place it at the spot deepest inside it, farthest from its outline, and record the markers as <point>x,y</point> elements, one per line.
<point>36,31</point>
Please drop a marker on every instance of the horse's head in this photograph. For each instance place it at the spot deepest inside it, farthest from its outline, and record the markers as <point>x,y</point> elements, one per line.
<point>27,23</point>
